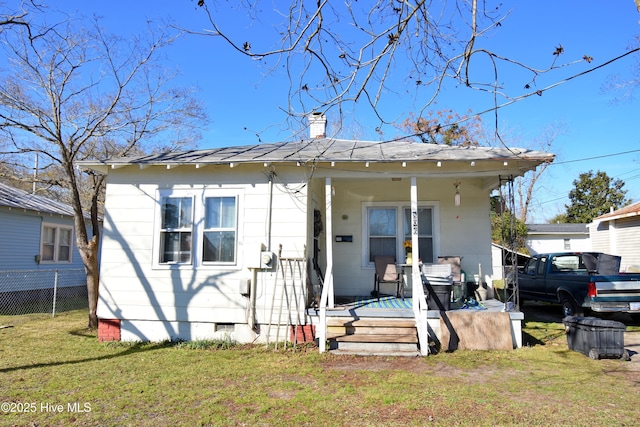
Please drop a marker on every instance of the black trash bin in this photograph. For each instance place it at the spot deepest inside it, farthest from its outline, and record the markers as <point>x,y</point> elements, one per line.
<point>438,290</point>
<point>596,338</point>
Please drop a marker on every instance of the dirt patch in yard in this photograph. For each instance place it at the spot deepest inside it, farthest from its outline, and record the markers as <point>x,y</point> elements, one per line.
<point>375,363</point>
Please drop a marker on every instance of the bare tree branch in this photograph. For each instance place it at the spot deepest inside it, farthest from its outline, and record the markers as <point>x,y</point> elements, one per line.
<point>338,54</point>
<point>76,92</point>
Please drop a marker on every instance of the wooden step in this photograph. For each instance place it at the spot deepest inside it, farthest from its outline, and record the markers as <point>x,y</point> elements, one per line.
<point>366,330</point>
<point>378,338</point>
<point>371,321</point>
<point>372,335</point>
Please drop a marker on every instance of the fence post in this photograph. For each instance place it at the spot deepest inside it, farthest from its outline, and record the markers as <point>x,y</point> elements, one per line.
<point>55,292</point>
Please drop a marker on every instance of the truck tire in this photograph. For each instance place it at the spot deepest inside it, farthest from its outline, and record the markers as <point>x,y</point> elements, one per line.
<point>570,307</point>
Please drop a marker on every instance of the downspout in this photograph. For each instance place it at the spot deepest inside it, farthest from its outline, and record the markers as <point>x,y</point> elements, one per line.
<point>269,210</point>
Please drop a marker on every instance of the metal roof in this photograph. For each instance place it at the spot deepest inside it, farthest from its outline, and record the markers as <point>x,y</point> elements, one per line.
<point>19,199</point>
<point>329,150</point>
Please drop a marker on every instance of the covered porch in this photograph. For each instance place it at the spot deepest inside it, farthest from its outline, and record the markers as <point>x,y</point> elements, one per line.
<point>386,326</point>
<point>430,220</point>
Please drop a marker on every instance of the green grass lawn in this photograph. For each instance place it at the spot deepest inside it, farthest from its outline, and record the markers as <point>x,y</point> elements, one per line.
<point>53,372</point>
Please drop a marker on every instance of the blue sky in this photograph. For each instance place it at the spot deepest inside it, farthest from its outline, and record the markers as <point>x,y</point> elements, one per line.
<point>242,102</point>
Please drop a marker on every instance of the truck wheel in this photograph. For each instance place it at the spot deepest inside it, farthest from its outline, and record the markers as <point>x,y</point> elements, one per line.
<point>593,354</point>
<point>569,307</point>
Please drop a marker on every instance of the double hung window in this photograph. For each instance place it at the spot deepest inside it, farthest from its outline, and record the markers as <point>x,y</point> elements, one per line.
<point>388,226</point>
<point>56,245</point>
<point>176,234</point>
<point>425,232</point>
<point>197,229</point>
<point>219,229</point>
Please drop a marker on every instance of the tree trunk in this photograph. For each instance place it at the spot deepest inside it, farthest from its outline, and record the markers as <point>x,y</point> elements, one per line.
<point>90,260</point>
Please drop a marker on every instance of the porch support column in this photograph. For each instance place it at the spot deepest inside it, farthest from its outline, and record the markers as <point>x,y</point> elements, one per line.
<point>419,301</point>
<point>326,299</point>
<point>415,248</point>
<point>328,278</point>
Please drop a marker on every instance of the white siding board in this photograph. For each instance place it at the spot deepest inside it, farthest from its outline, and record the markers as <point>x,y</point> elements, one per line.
<point>628,241</point>
<point>228,286</point>
<point>155,313</point>
<point>600,237</point>
<point>180,300</point>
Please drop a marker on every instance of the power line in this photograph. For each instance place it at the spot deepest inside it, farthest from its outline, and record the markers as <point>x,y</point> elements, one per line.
<point>594,157</point>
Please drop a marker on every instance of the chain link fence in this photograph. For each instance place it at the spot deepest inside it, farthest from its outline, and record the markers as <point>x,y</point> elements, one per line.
<point>42,291</point>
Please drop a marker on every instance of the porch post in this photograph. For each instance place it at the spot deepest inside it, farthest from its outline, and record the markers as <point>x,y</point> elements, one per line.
<point>415,249</point>
<point>328,278</point>
<point>326,299</point>
<point>419,301</point>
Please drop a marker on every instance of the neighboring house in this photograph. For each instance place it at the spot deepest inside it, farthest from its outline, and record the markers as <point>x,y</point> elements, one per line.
<point>504,257</point>
<point>545,238</point>
<point>191,240</point>
<point>38,238</point>
<point>618,233</point>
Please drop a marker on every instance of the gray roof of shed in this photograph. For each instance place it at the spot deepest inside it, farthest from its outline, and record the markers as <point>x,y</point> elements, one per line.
<point>19,199</point>
<point>330,150</point>
<point>558,228</point>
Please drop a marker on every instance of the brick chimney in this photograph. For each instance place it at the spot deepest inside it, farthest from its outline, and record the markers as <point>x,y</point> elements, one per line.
<point>317,125</point>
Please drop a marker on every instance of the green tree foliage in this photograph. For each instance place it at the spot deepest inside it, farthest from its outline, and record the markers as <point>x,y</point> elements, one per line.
<point>594,195</point>
<point>559,219</point>
<point>508,231</point>
<point>501,232</point>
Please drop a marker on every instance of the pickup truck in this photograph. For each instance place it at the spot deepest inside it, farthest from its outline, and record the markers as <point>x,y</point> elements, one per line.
<point>580,281</point>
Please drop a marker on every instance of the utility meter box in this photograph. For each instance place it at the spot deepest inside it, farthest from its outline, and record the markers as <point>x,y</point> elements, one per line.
<point>267,259</point>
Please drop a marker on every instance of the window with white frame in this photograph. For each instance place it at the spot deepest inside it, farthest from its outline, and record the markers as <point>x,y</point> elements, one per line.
<point>56,244</point>
<point>425,232</point>
<point>176,230</point>
<point>197,227</point>
<point>381,230</point>
<point>219,229</point>
<point>386,230</point>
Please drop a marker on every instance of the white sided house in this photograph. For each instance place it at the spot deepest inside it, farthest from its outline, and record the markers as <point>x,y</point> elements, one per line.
<point>618,233</point>
<point>261,240</point>
<point>547,238</point>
